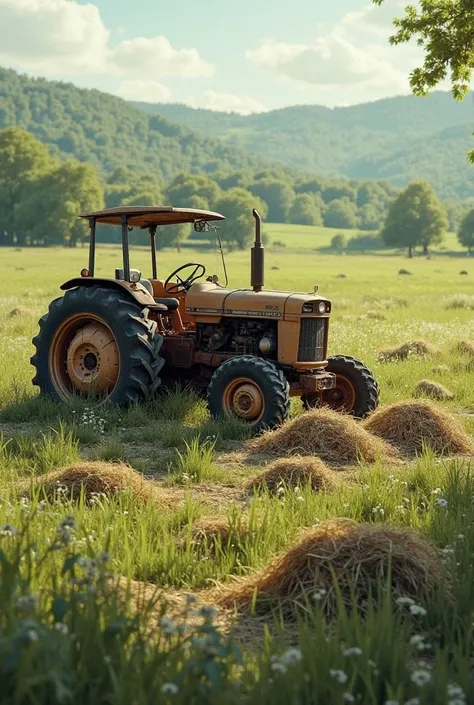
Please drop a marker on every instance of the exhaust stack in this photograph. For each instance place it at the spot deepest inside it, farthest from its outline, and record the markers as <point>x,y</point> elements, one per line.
<point>257,260</point>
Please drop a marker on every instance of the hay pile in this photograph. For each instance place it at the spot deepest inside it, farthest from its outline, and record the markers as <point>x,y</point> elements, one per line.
<point>95,480</point>
<point>335,438</point>
<point>215,532</point>
<point>20,312</point>
<point>414,348</point>
<point>411,425</point>
<point>465,347</point>
<point>434,390</point>
<point>357,556</point>
<point>293,472</point>
<point>405,272</point>
<point>441,370</point>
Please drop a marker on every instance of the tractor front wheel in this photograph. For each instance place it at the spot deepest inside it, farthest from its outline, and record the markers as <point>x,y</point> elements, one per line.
<point>95,341</point>
<point>356,391</point>
<point>252,389</point>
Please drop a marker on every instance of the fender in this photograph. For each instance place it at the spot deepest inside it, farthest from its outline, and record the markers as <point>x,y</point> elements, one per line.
<point>136,291</point>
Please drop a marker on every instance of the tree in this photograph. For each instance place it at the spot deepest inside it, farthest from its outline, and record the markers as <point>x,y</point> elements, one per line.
<point>466,231</point>
<point>278,195</point>
<point>23,161</point>
<point>338,242</point>
<point>445,30</point>
<point>304,211</point>
<point>50,211</point>
<point>341,213</point>
<point>335,192</point>
<point>185,186</point>
<point>370,217</point>
<point>172,235</point>
<point>416,217</point>
<point>236,205</point>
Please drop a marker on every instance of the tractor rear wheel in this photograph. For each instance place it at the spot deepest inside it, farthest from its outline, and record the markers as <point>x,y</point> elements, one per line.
<point>95,341</point>
<point>356,391</point>
<point>252,389</point>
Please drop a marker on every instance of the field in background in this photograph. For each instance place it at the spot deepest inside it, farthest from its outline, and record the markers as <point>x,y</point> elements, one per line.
<point>373,308</point>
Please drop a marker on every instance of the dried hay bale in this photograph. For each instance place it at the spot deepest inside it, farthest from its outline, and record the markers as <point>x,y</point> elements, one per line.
<point>441,370</point>
<point>404,272</point>
<point>274,267</point>
<point>293,472</point>
<point>463,272</point>
<point>414,348</point>
<point>95,480</point>
<point>465,347</point>
<point>20,312</point>
<point>215,532</point>
<point>376,315</point>
<point>411,425</point>
<point>434,390</point>
<point>357,557</point>
<point>341,276</point>
<point>336,438</point>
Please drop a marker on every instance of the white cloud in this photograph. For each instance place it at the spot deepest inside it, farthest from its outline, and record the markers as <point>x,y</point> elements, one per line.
<point>373,19</point>
<point>156,58</point>
<point>63,38</point>
<point>144,91</point>
<point>53,37</point>
<point>329,61</point>
<point>227,103</point>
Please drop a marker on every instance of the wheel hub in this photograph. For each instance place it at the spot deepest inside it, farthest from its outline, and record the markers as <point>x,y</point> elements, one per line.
<point>245,399</point>
<point>93,359</point>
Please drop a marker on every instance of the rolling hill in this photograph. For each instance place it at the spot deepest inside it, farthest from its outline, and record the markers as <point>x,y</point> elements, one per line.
<point>398,139</point>
<point>109,132</point>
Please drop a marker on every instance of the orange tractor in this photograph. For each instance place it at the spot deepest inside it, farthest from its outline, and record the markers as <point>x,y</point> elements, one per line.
<point>251,349</point>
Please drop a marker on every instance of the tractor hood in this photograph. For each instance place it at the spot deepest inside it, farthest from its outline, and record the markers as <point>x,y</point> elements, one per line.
<point>208,300</point>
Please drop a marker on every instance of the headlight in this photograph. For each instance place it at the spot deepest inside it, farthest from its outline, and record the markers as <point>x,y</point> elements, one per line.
<point>308,308</point>
<point>135,275</point>
<point>322,307</point>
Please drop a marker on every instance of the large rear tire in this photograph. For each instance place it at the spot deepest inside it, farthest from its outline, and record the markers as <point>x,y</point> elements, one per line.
<point>251,389</point>
<point>96,342</point>
<point>356,392</point>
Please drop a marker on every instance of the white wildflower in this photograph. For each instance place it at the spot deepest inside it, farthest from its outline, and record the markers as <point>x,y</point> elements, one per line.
<point>169,689</point>
<point>319,594</point>
<point>61,628</point>
<point>352,651</point>
<point>8,530</point>
<point>443,503</point>
<point>338,675</point>
<point>291,656</point>
<point>32,635</point>
<point>413,701</point>
<point>405,601</point>
<point>348,698</point>
<point>417,611</point>
<point>391,702</point>
<point>455,691</point>
<point>421,677</point>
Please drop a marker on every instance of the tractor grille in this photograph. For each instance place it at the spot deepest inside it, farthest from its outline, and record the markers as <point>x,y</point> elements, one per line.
<point>312,346</point>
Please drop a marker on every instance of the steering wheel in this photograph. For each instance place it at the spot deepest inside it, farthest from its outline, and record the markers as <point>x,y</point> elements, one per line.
<point>184,284</point>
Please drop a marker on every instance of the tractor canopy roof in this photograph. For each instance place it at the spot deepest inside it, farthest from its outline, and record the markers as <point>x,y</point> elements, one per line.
<point>147,216</point>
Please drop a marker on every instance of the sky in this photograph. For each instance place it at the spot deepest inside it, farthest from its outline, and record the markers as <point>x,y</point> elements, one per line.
<point>244,56</point>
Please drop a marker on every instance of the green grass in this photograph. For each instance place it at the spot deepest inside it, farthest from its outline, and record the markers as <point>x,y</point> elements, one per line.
<point>108,657</point>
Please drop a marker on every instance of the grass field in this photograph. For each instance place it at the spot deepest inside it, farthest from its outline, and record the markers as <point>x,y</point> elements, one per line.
<point>399,632</point>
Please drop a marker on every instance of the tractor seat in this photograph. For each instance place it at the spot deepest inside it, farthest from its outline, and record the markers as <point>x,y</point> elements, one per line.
<point>173,304</point>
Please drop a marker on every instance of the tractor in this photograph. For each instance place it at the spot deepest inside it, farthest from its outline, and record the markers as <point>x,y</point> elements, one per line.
<point>121,339</point>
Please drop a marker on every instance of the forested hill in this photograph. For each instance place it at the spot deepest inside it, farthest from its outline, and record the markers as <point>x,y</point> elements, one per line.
<point>398,139</point>
<point>109,132</point>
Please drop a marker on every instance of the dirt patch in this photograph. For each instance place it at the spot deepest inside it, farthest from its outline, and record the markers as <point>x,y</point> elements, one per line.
<point>411,425</point>
<point>357,557</point>
<point>335,438</point>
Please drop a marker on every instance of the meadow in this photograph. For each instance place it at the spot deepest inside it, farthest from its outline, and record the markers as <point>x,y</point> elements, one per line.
<point>141,587</point>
